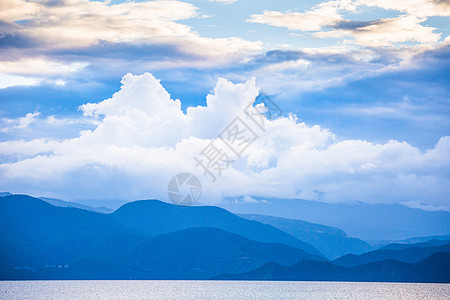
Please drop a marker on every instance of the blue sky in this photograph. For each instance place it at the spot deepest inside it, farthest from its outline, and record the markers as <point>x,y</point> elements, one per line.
<point>365,72</point>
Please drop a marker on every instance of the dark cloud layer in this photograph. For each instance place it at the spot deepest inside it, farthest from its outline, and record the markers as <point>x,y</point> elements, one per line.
<point>355,25</point>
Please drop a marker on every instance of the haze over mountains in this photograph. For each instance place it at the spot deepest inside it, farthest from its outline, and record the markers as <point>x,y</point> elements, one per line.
<point>150,239</point>
<point>369,222</point>
<point>331,241</point>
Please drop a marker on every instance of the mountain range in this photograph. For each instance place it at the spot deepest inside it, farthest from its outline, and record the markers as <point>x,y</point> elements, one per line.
<point>35,234</point>
<point>331,241</point>
<point>150,239</point>
<point>407,253</point>
<point>369,222</point>
<point>435,268</point>
<point>153,217</point>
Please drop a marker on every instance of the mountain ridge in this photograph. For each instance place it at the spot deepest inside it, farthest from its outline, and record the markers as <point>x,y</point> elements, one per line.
<point>435,269</point>
<point>412,254</point>
<point>331,241</point>
<point>369,222</point>
<point>39,240</point>
<point>152,217</point>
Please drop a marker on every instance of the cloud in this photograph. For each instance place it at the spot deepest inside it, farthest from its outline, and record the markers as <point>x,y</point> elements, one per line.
<point>323,14</point>
<point>293,75</point>
<point>39,66</point>
<point>68,36</point>
<point>224,1</point>
<point>14,80</point>
<point>22,122</point>
<point>419,8</point>
<point>58,41</point>
<point>68,21</point>
<point>375,33</point>
<point>143,138</point>
<point>355,25</point>
<point>420,114</point>
<point>33,126</point>
<point>66,25</point>
<point>385,32</point>
<point>290,73</point>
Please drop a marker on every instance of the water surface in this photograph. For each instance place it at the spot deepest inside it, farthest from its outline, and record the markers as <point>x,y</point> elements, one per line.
<point>162,289</point>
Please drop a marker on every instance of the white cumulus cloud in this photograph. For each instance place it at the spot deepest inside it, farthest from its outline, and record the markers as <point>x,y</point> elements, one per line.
<point>143,138</point>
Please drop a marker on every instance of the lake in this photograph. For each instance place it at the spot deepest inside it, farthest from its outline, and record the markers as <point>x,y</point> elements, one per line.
<point>166,289</point>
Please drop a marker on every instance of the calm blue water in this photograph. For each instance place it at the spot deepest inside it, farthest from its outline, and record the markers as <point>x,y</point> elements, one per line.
<point>218,290</point>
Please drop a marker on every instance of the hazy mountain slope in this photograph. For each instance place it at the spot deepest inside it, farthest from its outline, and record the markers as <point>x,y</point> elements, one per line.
<point>203,252</point>
<point>153,217</point>
<point>408,255</point>
<point>331,241</point>
<point>435,268</point>
<point>401,246</point>
<point>61,203</point>
<point>360,220</point>
<point>42,241</point>
<point>413,240</point>
<point>33,232</point>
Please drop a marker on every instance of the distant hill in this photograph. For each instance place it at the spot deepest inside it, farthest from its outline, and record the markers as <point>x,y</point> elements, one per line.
<point>155,240</point>
<point>368,222</point>
<point>199,253</point>
<point>401,246</point>
<point>413,240</point>
<point>435,268</point>
<point>57,202</point>
<point>42,241</point>
<point>34,232</point>
<point>409,254</point>
<point>331,241</point>
<point>61,203</point>
<point>153,217</point>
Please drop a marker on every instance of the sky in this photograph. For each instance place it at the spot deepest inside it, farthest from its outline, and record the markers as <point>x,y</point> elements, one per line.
<point>107,101</point>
